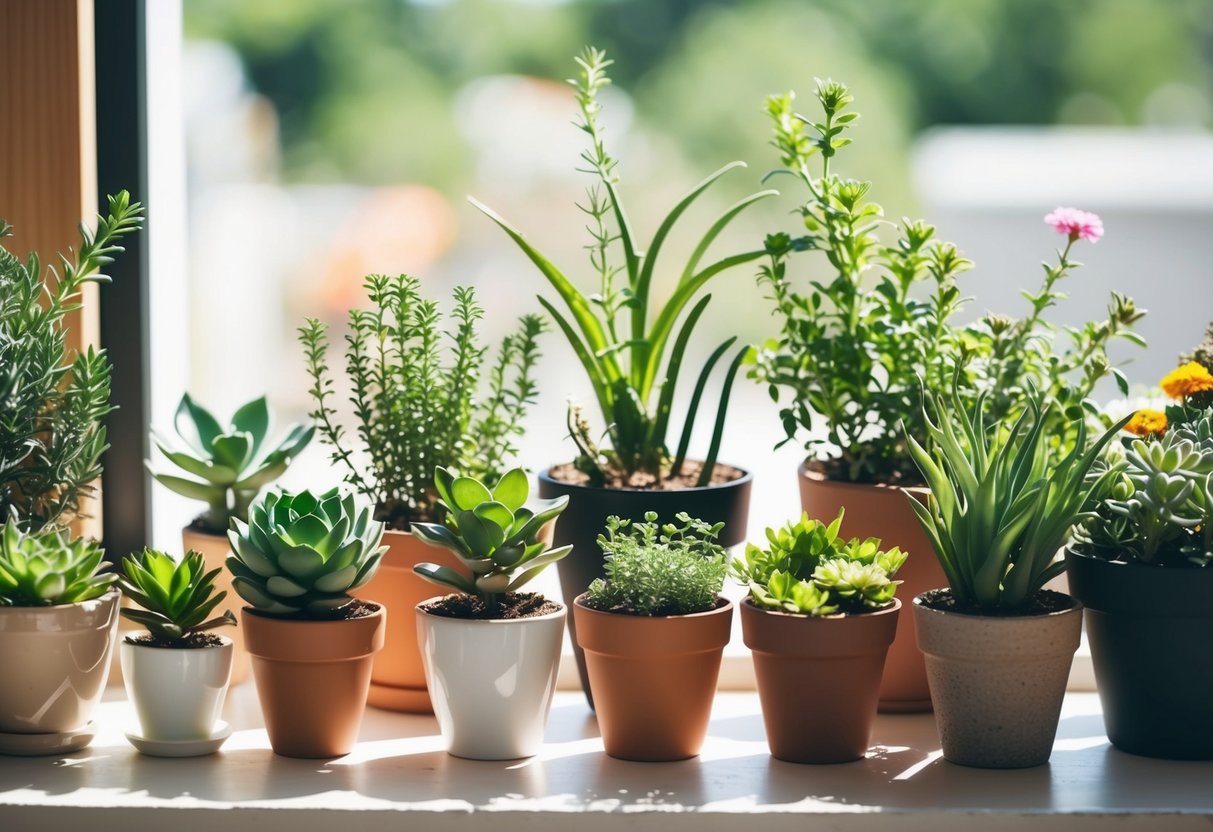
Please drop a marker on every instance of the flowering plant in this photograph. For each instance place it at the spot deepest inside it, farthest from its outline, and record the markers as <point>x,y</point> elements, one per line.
<point>856,350</point>
<point>1160,508</point>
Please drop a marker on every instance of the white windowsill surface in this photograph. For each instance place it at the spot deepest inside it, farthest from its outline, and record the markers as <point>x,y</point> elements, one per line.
<point>400,778</point>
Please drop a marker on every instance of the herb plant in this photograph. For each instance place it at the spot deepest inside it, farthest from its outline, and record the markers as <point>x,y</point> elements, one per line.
<point>415,395</point>
<point>651,569</point>
<point>47,567</point>
<point>229,466</point>
<point>622,350</point>
<point>1003,500</point>
<point>806,568</point>
<point>492,533</point>
<point>175,596</point>
<point>857,348</point>
<point>300,555</point>
<point>52,402</point>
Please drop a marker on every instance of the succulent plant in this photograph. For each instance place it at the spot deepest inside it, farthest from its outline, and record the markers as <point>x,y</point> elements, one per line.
<point>301,555</point>
<point>659,569</point>
<point>807,568</point>
<point>1003,500</point>
<point>176,596</point>
<point>229,465</point>
<point>47,568</point>
<point>492,533</point>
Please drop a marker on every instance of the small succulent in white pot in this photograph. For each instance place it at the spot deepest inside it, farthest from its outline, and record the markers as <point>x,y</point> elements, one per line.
<point>177,673</point>
<point>487,629</point>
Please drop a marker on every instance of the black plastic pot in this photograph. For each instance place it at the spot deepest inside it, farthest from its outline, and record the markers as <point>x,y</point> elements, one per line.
<point>589,508</point>
<point>1149,629</point>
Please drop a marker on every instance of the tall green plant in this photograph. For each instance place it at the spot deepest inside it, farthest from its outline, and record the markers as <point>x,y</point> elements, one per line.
<point>415,391</point>
<point>53,400</point>
<point>621,346</point>
<point>1003,500</point>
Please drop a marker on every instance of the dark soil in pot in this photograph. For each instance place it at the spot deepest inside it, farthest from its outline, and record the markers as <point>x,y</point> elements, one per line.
<point>510,607</point>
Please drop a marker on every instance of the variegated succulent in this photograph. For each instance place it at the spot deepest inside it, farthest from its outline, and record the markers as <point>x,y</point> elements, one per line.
<point>301,554</point>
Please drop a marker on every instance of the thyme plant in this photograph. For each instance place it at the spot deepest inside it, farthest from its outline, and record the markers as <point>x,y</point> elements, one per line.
<point>53,400</point>
<point>415,392</point>
<point>621,346</point>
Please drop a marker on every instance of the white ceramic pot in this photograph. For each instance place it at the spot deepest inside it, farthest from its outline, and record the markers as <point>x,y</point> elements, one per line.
<point>177,693</point>
<point>491,682</point>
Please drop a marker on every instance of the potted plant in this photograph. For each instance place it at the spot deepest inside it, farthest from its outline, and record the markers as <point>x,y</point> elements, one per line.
<point>415,395</point>
<point>488,630</point>
<point>819,619</point>
<point>858,345</point>
<point>653,631</point>
<point>295,562</point>
<point>58,622</point>
<point>998,644</point>
<point>633,361</point>
<point>58,616</point>
<point>1141,567</point>
<point>226,468</point>
<point>177,673</point>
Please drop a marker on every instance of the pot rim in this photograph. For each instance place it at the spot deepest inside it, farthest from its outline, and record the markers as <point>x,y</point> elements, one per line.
<point>838,617</point>
<point>112,591</point>
<point>379,611</point>
<point>808,473</point>
<point>227,642</point>
<point>747,476</point>
<point>579,601</point>
<point>1075,606</point>
<point>1135,564</point>
<point>188,528</point>
<point>490,621</point>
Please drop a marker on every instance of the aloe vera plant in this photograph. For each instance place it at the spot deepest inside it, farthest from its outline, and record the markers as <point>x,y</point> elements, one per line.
<point>1003,500</point>
<point>229,465</point>
<point>625,360</point>
<point>493,533</point>
<point>175,596</point>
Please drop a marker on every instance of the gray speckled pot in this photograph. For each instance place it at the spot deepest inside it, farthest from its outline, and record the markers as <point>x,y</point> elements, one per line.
<point>997,683</point>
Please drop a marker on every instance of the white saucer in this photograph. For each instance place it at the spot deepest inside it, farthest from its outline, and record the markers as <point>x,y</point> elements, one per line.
<point>182,748</point>
<point>42,745</point>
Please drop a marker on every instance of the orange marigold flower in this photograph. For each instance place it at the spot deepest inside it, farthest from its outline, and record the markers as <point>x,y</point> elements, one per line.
<point>1147,423</point>
<point>1186,380</point>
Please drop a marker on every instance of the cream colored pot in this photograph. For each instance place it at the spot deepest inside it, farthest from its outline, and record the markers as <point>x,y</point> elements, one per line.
<point>178,693</point>
<point>54,662</point>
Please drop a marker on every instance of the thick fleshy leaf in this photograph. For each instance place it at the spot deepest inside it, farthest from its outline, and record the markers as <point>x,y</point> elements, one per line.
<point>256,597</point>
<point>468,493</point>
<point>254,419</point>
<point>496,513</point>
<point>302,562</point>
<point>284,587</point>
<point>338,581</point>
<point>513,489</point>
<point>196,426</point>
<point>308,530</point>
<point>189,488</point>
<point>251,557</point>
<point>444,576</point>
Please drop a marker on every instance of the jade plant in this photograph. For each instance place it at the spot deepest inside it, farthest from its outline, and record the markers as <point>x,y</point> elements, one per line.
<point>54,398</point>
<point>621,346</point>
<point>492,533</point>
<point>47,567</point>
<point>657,569</point>
<point>176,598</point>
<point>228,465</point>
<point>300,555</point>
<point>857,345</point>
<point>807,568</point>
<point>1003,499</point>
<point>416,396</point>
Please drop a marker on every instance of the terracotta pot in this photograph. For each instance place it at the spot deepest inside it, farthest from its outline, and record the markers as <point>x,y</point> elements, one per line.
<point>214,549</point>
<point>398,678</point>
<point>178,693</point>
<point>998,682</point>
<point>818,679</point>
<point>312,679</point>
<point>883,511</point>
<point>492,681</point>
<point>1149,630</point>
<point>585,519</point>
<point>654,678</point>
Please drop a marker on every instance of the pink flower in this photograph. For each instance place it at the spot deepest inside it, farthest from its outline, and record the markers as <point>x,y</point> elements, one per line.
<point>1076,224</point>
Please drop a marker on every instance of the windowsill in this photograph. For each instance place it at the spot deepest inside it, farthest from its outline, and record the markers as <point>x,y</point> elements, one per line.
<point>400,770</point>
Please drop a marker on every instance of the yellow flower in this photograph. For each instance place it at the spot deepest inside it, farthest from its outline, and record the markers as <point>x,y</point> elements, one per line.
<point>1186,380</point>
<point>1147,423</point>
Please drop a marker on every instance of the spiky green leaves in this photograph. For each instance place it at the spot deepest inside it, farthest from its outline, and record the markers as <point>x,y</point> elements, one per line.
<point>301,554</point>
<point>493,533</point>
<point>807,568</point>
<point>48,567</point>
<point>176,596</point>
<point>229,465</point>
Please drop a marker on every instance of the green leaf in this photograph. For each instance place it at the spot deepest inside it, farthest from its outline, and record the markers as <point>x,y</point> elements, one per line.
<point>253,418</point>
<point>497,514</point>
<point>468,493</point>
<point>513,489</point>
<point>444,576</point>
<point>196,426</point>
